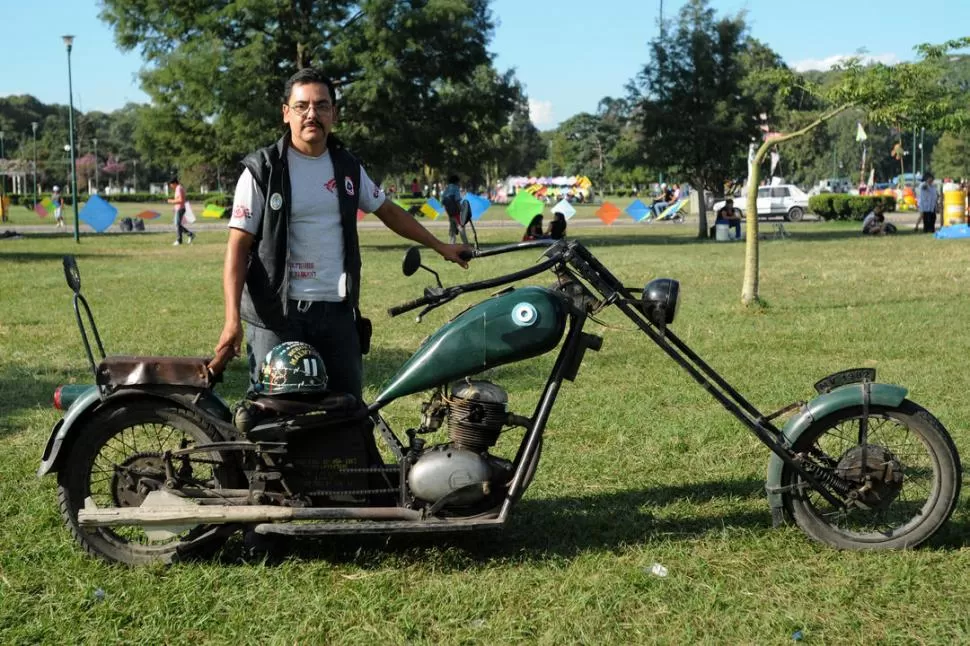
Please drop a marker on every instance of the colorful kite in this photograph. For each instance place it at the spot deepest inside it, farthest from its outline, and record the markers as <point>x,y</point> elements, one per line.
<point>44,208</point>
<point>479,205</point>
<point>148,215</point>
<point>524,207</point>
<point>213,211</point>
<point>563,206</point>
<point>638,210</point>
<point>98,214</point>
<point>608,212</point>
<point>432,209</point>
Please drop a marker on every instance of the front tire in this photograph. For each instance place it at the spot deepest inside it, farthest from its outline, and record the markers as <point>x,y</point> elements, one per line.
<point>909,466</point>
<point>118,450</point>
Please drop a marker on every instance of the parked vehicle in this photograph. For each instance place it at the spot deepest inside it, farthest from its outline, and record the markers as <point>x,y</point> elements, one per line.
<point>152,464</point>
<point>785,200</point>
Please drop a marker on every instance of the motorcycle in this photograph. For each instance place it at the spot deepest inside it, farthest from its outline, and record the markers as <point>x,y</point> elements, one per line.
<point>152,464</point>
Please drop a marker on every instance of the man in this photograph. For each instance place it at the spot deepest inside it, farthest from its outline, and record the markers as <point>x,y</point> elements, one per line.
<point>926,199</point>
<point>727,215</point>
<point>874,224</point>
<point>58,202</point>
<point>451,200</point>
<point>292,268</point>
<point>178,200</point>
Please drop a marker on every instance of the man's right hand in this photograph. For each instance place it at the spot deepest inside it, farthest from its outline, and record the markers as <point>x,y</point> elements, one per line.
<point>232,335</point>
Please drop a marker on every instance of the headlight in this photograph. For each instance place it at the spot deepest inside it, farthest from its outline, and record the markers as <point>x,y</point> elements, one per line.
<point>660,300</point>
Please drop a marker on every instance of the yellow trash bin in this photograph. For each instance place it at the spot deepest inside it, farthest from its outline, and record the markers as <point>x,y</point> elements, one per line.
<point>954,205</point>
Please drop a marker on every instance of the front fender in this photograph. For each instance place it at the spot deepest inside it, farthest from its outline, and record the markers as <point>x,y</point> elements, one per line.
<point>207,403</point>
<point>835,400</point>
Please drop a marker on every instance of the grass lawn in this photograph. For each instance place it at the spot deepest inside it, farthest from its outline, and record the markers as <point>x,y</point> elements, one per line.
<point>640,465</point>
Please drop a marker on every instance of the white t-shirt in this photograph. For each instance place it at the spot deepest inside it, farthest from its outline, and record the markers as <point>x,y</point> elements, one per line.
<point>316,244</point>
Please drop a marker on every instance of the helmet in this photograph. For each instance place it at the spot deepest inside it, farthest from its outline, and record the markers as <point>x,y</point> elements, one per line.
<point>57,189</point>
<point>293,367</point>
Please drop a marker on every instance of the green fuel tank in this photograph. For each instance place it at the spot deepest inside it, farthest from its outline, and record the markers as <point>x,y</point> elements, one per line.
<point>509,327</point>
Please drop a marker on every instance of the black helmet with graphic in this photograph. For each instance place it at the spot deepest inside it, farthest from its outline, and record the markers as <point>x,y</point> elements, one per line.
<point>293,367</point>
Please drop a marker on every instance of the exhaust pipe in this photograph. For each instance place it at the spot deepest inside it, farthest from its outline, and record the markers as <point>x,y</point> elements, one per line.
<point>190,513</point>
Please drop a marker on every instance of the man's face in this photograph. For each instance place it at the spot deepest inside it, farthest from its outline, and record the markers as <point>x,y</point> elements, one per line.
<point>309,113</point>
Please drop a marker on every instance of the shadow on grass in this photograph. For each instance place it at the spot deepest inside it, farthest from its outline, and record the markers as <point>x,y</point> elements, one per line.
<point>561,527</point>
<point>45,256</point>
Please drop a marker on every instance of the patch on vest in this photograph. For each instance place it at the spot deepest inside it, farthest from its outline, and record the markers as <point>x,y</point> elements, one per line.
<point>349,186</point>
<point>276,202</point>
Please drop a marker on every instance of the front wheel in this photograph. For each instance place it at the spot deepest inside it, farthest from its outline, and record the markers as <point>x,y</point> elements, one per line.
<point>119,457</point>
<point>898,464</point>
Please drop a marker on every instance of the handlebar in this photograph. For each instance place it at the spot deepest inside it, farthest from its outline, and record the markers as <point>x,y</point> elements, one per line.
<point>407,307</point>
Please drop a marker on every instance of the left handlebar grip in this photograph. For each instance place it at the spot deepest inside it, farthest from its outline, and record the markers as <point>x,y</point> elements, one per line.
<point>466,254</point>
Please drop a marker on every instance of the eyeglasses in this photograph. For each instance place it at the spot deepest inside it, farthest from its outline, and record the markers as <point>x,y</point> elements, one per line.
<point>301,108</point>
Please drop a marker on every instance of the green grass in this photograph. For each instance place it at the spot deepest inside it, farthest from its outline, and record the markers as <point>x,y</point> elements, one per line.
<point>640,464</point>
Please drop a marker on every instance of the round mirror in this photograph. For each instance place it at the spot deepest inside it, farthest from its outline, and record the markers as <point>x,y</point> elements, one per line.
<point>465,213</point>
<point>72,274</point>
<point>412,260</point>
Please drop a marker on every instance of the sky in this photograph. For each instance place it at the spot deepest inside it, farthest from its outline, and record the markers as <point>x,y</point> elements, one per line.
<point>568,54</point>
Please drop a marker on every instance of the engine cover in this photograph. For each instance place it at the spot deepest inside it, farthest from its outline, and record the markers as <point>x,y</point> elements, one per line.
<point>443,469</point>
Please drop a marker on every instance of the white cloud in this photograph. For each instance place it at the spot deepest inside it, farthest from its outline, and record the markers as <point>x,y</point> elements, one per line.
<point>825,64</point>
<point>541,113</point>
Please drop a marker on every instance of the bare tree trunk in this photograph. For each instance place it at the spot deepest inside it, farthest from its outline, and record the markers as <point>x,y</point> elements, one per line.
<point>702,229</point>
<point>749,287</point>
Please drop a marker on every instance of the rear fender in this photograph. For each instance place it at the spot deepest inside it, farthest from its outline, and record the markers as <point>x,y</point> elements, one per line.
<point>833,401</point>
<point>206,403</point>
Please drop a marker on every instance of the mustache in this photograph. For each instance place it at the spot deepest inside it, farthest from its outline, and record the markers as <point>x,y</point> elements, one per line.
<point>313,122</point>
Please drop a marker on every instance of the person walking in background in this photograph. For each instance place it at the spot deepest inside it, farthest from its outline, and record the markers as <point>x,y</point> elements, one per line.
<point>178,202</point>
<point>926,200</point>
<point>451,200</point>
<point>58,201</point>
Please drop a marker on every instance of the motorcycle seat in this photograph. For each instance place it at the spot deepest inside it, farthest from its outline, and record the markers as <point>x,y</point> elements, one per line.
<point>119,370</point>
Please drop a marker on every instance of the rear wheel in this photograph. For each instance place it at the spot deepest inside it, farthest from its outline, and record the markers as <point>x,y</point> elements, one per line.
<point>795,214</point>
<point>118,459</point>
<point>905,478</point>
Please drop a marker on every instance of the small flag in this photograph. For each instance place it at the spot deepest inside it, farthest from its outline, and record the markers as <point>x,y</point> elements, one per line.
<point>524,207</point>
<point>429,211</point>
<point>860,134</point>
<point>775,158</point>
<point>638,210</point>
<point>608,212</point>
<point>98,214</point>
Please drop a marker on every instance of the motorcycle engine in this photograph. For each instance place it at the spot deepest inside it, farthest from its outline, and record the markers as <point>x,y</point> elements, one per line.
<point>476,412</point>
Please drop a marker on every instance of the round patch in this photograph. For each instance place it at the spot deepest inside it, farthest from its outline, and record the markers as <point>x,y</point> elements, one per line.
<point>524,314</point>
<point>276,201</point>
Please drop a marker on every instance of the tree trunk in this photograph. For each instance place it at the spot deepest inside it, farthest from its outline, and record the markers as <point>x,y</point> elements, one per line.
<point>749,287</point>
<point>703,230</point>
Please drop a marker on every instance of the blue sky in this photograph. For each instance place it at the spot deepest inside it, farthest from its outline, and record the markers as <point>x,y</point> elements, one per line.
<point>568,53</point>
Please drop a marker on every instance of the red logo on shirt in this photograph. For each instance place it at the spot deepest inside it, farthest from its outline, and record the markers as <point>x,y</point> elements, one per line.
<point>241,212</point>
<point>331,184</point>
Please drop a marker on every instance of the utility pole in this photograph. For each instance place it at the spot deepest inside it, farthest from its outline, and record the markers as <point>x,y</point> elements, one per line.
<point>922,153</point>
<point>33,126</point>
<point>96,179</point>
<point>914,157</point>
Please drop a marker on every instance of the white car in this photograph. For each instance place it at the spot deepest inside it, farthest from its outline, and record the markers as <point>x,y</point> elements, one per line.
<point>786,200</point>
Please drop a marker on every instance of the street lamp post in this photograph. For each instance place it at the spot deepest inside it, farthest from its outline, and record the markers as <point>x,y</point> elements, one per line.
<point>3,176</point>
<point>33,126</point>
<point>69,42</point>
<point>96,180</point>
<point>134,175</point>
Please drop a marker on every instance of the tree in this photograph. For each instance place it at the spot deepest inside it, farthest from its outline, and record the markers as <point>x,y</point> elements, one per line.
<point>906,95</point>
<point>693,116</point>
<point>215,71</point>
<point>951,156</point>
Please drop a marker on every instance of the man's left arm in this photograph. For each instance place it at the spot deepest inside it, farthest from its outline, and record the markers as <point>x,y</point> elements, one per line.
<point>403,223</point>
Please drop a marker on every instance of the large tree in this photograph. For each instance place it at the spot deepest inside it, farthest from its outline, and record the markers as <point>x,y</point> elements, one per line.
<point>694,117</point>
<point>951,156</point>
<point>215,71</point>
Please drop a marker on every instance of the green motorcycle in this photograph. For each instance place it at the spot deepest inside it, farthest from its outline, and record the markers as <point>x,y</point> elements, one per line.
<point>152,464</point>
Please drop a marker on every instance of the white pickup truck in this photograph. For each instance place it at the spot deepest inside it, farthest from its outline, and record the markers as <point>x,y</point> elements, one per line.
<point>786,200</point>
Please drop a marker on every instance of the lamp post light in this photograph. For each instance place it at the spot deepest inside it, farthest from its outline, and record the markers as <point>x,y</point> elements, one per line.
<point>69,42</point>
<point>33,126</point>
<point>96,180</point>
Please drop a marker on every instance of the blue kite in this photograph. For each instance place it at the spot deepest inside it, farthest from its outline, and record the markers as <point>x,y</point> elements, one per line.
<point>98,214</point>
<point>638,210</point>
<point>479,205</point>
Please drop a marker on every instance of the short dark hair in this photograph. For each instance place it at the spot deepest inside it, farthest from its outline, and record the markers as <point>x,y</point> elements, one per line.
<point>305,76</point>
<point>453,179</point>
<point>174,180</point>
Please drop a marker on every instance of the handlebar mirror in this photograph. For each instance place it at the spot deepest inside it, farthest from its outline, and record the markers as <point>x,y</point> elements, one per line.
<point>465,213</point>
<point>412,261</point>
<point>72,274</point>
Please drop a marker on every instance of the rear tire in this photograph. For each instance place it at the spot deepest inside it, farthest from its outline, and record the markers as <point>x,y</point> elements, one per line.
<point>795,214</point>
<point>905,440</point>
<point>115,449</point>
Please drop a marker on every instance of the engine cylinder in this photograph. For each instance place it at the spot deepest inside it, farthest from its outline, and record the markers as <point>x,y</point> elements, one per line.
<point>477,411</point>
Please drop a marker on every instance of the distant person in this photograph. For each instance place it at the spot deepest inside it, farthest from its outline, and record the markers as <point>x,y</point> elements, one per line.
<point>727,215</point>
<point>664,200</point>
<point>874,224</point>
<point>557,228</point>
<point>415,188</point>
<point>927,198</point>
<point>178,202</point>
<point>451,200</point>
<point>534,230</point>
<point>58,201</point>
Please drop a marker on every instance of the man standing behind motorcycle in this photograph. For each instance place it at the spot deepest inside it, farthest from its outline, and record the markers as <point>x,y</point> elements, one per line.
<point>292,267</point>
